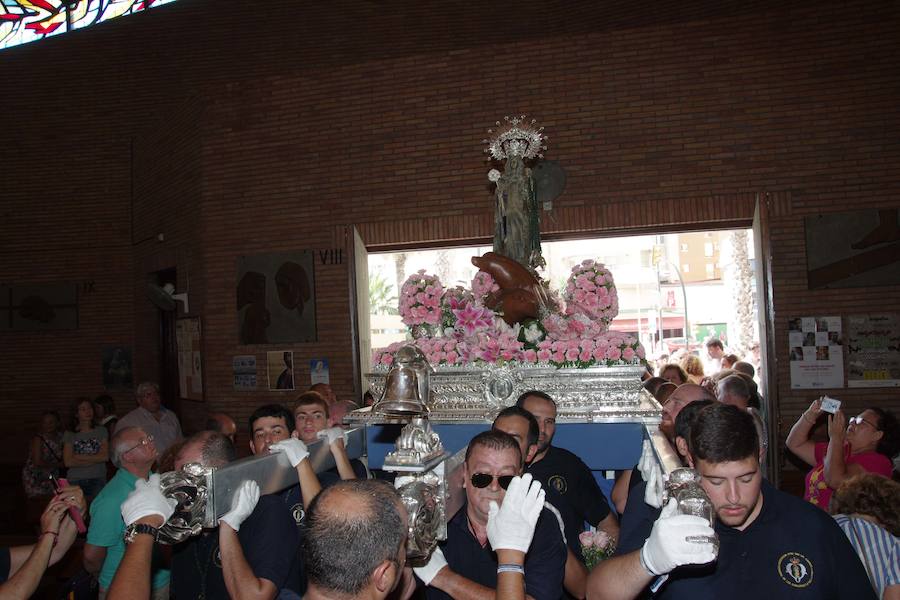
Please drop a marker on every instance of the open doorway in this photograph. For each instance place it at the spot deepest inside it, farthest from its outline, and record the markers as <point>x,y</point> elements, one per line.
<point>676,290</point>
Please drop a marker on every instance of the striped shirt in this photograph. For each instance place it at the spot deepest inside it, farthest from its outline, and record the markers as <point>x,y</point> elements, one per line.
<point>878,550</point>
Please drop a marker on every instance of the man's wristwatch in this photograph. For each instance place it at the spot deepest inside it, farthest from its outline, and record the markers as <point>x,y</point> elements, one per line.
<point>134,529</point>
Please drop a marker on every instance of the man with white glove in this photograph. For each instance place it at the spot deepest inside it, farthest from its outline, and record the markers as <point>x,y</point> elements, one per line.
<point>144,511</point>
<point>253,551</point>
<point>481,537</point>
<point>272,430</point>
<point>771,544</point>
<point>336,438</point>
<point>510,529</point>
<point>312,415</point>
<point>677,540</point>
<point>242,505</point>
<point>654,491</point>
<point>674,541</point>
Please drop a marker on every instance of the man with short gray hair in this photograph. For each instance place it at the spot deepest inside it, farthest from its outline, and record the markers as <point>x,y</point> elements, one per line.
<point>151,416</point>
<point>133,452</point>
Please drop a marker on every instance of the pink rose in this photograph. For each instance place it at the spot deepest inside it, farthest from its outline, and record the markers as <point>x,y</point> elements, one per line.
<point>628,354</point>
<point>585,356</point>
<point>614,354</point>
<point>572,354</point>
<point>530,356</point>
<point>543,355</point>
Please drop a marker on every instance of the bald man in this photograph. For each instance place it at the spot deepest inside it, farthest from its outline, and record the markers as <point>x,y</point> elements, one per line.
<point>222,423</point>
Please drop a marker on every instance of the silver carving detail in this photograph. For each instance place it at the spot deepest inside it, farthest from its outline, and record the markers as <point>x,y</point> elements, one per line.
<point>418,444</point>
<point>461,394</point>
<point>189,488</point>
<point>425,512</point>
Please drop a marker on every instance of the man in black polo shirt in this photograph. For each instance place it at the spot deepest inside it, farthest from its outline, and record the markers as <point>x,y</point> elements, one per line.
<point>771,544</point>
<point>570,485</point>
<point>464,567</point>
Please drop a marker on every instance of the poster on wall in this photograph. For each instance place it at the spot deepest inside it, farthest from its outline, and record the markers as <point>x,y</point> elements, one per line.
<point>280,370</point>
<point>190,364</point>
<point>276,298</point>
<point>817,352</point>
<point>873,350</point>
<point>853,249</point>
<point>318,371</point>
<point>116,364</point>
<point>244,370</point>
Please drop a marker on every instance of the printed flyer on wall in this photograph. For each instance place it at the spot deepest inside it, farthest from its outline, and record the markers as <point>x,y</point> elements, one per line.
<point>817,352</point>
<point>873,350</point>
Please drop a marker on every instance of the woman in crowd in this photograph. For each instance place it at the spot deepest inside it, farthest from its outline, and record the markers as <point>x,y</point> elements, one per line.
<point>729,360</point>
<point>673,373</point>
<point>693,366</point>
<point>866,508</point>
<point>45,458</point>
<point>866,445</point>
<point>86,450</point>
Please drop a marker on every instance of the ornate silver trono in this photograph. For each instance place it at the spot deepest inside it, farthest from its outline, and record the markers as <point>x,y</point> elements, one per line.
<point>475,393</point>
<point>189,488</point>
<point>405,390</point>
<point>417,445</point>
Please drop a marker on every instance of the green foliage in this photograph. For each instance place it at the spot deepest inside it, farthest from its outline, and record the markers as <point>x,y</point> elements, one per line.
<point>382,298</point>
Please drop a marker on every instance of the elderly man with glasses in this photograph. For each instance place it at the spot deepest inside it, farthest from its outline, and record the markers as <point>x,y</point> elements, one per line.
<point>133,453</point>
<point>465,567</point>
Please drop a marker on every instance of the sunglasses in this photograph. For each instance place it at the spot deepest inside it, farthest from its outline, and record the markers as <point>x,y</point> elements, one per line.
<point>859,420</point>
<point>482,480</point>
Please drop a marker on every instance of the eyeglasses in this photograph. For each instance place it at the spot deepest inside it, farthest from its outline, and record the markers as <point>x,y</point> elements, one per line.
<point>143,442</point>
<point>859,420</point>
<point>482,480</point>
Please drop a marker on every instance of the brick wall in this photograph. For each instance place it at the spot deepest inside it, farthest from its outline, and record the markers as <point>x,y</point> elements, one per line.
<point>241,133</point>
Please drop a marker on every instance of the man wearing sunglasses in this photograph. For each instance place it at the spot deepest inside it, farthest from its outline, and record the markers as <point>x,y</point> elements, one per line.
<point>133,452</point>
<point>465,567</point>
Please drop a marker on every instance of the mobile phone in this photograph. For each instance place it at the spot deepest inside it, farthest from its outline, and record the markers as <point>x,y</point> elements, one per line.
<point>830,405</point>
<point>59,484</point>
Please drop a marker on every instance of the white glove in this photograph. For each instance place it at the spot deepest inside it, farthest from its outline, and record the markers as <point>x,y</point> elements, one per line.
<point>435,564</point>
<point>653,495</point>
<point>668,547</point>
<point>511,526</point>
<point>294,449</point>
<point>146,500</point>
<point>333,434</point>
<point>646,460</point>
<point>242,505</point>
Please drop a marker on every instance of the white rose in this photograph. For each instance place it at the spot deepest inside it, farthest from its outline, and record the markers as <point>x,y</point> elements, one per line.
<point>494,175</point>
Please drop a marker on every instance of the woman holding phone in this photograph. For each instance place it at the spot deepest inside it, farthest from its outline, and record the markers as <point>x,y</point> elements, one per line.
<point>865,445</point>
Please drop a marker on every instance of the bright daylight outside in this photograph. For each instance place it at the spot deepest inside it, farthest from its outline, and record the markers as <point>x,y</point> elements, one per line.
<point>705,279</point>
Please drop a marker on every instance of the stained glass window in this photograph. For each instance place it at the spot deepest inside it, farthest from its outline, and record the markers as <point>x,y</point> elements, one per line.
<point>23,21</point>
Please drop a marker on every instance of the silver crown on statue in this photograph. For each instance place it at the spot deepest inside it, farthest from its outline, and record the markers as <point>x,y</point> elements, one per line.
<point>515,137</point>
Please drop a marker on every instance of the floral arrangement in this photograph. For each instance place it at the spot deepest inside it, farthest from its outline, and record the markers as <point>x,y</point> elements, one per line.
<point>420,299</point>
<point>454,326</point>
<point>590,292</point>
<point>596,546</point>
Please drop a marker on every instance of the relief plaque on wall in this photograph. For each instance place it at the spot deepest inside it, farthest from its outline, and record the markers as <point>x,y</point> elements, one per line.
<point>39,307</point>
<point>276,298</point>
